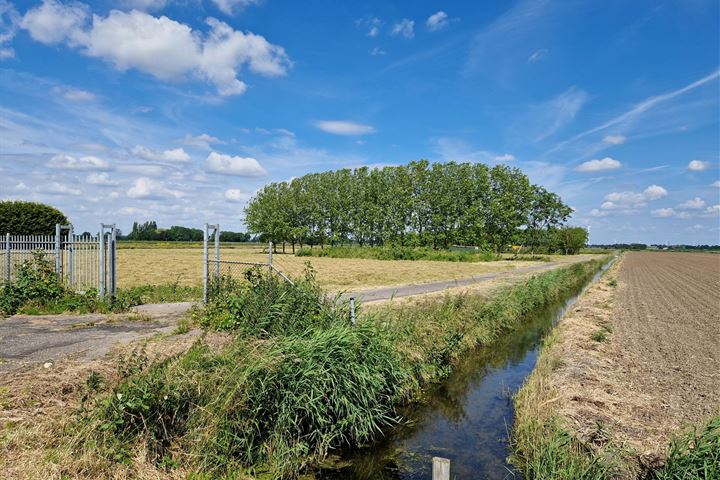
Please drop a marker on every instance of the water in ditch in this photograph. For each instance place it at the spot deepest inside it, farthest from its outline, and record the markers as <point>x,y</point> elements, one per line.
<point>467,418</point>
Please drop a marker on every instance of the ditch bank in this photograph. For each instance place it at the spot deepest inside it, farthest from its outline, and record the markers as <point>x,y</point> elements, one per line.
<point>298,383</point>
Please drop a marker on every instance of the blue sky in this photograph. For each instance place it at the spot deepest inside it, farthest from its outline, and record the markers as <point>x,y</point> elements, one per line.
<point>179,110</point>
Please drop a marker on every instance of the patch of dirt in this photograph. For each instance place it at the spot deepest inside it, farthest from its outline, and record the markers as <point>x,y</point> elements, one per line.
<point>642,358</point>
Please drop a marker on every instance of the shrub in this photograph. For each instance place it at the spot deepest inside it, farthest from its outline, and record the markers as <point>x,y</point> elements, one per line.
<point>29,218</point>
<point>35,281</point>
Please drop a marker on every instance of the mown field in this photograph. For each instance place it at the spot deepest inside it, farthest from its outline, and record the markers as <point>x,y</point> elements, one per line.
<point>158,263</point>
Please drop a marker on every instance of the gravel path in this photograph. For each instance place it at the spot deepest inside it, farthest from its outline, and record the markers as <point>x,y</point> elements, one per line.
<point>27,340</point>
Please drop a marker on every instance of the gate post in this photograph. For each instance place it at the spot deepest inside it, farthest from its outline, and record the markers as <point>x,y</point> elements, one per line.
<point>101,238</point>
<point>205,263</point>
<point>58,258</point>
<point>113,273</point>
<point>71,266</point>
<point>217,255</point>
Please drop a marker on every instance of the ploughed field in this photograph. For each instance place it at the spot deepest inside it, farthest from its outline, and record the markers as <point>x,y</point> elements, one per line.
<point>142,266</point>
<point>666,340</point>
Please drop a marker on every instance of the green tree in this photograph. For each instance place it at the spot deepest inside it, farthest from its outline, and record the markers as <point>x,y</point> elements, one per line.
<point>29,218</point>
<point>547,211</point>
<point>569,240</point>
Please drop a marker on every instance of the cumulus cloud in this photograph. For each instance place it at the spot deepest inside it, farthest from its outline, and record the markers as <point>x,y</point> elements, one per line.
<point>715,184</point>
<point>606,163</point>
<point>101,179</point>
<point>176,155</point>
<point>68,162</point>
<point>344,127</point>
<point>663,213</point>
<point>9,19</point>
<point>404,28</point>
<point>377,51</point>
<point>74,95</point>
<point>696,203</point>
<point>236,196</point>
<point>230,7</point>
<point>146,188</point>
<point>437,21</point>
<point>654,192</point>
<point>615,139</point>
<point>56,188</point>
<point>159,46</point>
<point>698,166</point>
<point>504,158</point>
<point>712,210</point>
<point>629,202</point>
<point>201,141</point>
<point>236,166</point>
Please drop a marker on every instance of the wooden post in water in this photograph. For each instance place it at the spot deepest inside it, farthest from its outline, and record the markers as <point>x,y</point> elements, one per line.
<point>441,469</point>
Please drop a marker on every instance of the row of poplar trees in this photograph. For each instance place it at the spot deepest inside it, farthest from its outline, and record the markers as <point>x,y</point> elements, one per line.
<point>420,204</point>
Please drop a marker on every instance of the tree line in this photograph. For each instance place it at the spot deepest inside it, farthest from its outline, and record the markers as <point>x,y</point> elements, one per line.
<point>150,231</point>
<point>418,204</point>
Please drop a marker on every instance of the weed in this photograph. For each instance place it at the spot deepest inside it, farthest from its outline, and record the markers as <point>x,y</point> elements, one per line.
<point>599,336</point>
<point>693,455</point>
<point>613,282</point>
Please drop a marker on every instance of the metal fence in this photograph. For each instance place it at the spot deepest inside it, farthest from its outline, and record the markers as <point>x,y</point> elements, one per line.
<point>216,271</point>
<point>83,262</point>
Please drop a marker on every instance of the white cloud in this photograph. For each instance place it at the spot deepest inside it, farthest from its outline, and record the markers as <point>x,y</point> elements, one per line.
<point>615,139</point>
<point>713,210</point>
<point>663,213</point>
<point>142,169</point>
<point>9,19</point>
<point>230,7</point>
<point>715,184</point>
<point>377,51</point>
<point>146,188</point>
<point>102,179</point>
<point>504,158</point>
<point>201,141</point>
<point>371,25</point>
<point>696,203</point>
<point>176,155</point>
<point>698,166</point>
<point>68,162</point>
<point>654,192</point>
<point>235,195</point>
<point>344,127</point>
<point>437,21</point>
<point>53,22</point>
<point>74,95</point>
<point>56,188</point>
<point>404,28</point>
<point>159,46</point>
<point>537,55</point>
<point>237,166</point>
<point>132,211</point>
<point>561,110</point>
<point>606,163</point>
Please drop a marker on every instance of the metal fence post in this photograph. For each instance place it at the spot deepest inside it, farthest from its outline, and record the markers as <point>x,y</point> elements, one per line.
<point>113,264</point>
<point>217,254</point>
<point>101,238</point>
<point>205,263</point>
<point>270,265</point>
<point>58,258</point>
<point>352,311</point>
<point>71,260</point>
<point>7,260</point>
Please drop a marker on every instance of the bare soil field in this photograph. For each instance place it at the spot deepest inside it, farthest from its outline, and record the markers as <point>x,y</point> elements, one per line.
<point>138,266</point>
<point>639,355</point>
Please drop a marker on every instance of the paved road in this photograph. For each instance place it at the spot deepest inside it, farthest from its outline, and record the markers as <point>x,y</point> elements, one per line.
<point>397,291</point>
<point>27,340</point>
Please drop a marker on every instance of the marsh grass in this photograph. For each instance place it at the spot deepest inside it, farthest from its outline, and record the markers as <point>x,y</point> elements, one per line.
<point>297,380</point>
<point>694,454</point>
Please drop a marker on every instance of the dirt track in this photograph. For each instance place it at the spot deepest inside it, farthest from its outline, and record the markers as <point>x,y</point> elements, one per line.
<point>659,369</point>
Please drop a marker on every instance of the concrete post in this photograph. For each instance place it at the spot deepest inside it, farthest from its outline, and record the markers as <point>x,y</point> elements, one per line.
<point>440,469</point>
<point>71,260</point>
<point>352,311</point>
<point>217,254</point>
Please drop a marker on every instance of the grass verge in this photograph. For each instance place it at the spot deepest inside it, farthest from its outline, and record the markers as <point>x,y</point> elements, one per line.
<point>297,380</point>
<point>408,253</point>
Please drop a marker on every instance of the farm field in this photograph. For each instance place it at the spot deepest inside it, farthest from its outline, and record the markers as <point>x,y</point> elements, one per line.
<point>638,356</point>
<point>140,266</point>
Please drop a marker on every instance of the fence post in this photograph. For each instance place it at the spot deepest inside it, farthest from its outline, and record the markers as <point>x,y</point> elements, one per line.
<point>352,311</point>
<point>58,258</point>
<point>205,263</point>
<point>217,254</point>
<point>440,468</point>
<point>113,273</point>
<point>71,260</point>
<point>101,238</point>
<point>7,259</point>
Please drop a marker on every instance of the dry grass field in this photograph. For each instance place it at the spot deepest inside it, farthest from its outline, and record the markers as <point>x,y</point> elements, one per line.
<point>140,266</point>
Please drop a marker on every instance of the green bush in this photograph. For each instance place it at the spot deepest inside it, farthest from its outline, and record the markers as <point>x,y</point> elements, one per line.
<point>29,218</point>
<point>35,281</point>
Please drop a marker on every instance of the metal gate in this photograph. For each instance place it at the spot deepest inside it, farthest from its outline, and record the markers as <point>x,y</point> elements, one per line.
<point>83,262</point>
<point>227,268</point>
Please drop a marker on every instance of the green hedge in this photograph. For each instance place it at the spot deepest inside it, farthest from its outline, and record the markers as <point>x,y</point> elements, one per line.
<point>29,218</point>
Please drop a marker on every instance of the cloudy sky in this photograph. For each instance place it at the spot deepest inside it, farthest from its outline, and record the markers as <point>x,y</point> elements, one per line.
<point>178,110</point>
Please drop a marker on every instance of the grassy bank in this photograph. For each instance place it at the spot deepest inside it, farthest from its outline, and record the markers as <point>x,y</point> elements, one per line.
<point>409,253</point>
<point>296,380</point>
